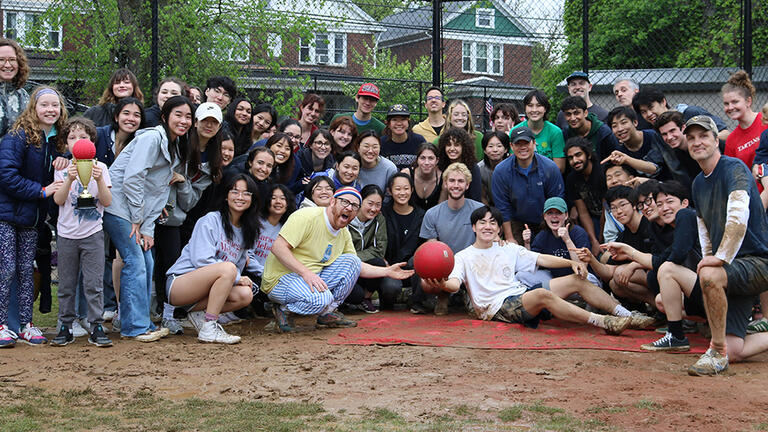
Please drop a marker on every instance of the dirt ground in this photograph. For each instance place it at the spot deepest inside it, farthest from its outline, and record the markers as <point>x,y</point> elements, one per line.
<point>627,391</point>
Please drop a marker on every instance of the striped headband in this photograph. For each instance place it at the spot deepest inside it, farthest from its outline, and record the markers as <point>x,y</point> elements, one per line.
<point>349,191</point>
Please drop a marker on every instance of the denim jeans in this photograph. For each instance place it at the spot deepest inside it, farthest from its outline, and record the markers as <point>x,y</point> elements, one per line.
<point>135,278</point>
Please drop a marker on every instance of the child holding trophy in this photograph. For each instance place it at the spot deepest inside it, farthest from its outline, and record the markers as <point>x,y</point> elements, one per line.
<point>81,199</point>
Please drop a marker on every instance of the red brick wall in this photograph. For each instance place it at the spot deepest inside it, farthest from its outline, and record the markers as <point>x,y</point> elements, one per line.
<point>517,63</point>
<point>413,51</point>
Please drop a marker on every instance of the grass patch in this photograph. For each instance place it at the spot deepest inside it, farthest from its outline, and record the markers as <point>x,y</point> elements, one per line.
<point>607,409</point>
<point>511,414</point>
<point>647,404</point>
<point>761,426</point>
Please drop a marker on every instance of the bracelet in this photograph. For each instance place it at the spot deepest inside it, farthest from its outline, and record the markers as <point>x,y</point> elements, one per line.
<point>43,192</point>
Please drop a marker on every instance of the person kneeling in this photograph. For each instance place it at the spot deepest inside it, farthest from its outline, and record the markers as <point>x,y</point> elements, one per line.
<point>489,271</point>
<point>206,278</point>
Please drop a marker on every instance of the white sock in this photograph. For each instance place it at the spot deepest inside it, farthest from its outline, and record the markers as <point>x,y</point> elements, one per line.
<point>596,320</point>
<point>621,311</point>
<point>168,311</point>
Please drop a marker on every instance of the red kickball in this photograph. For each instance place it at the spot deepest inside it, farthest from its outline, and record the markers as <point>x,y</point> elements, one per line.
<point>433,260</point>
<point>84,149</point>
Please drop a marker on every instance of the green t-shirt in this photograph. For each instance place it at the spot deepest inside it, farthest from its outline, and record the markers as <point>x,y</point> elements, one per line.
<point>549,142</point>
<point>373,124</point>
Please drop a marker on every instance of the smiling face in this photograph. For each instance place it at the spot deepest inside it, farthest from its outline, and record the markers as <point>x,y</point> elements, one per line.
<point>342,210</point>
<point>243,113</point>
<point>10,66</point>
<point>278,204</point>
<point>76,133</point>
<point>369,149</point>
<point>575,117</point>
<point>651,112</point>
<point>735,105</point>
<point>342,135</point>
<point>227,152</point>
<point>167,91</point>
<point>453,150</point>
<point>495,150</point>
<point>702,145</point>
<point>261,166</point>
<point>524,150</point>
<point>616,176</point>
<point>310,113</point>
<point>195,96</point>
<point>459,116</point>
<point>457,185</point>
<point>623,128</point>
<point>647,206</point>
<point>535,110</point>
<point>554,219</point>
<point>219,96</point>
<point>348,169</point>
<point>401,191</point>
<point>261,122</point>
<point>322,193</point>
<point>486,229</point>
<point>577,158</point>
<point>426,161</point>
<point>366,104</point>
<point>434,101</point>
<point>370,208</point>
<point>179,121</point>
<point>320,147</point>
<point>282,151</point>
<point>398,125</point>
<point>579,87</point>
<point>294,133</point>
<point>502,122</point>
<point>129,118</point>
<point>669,205</point>
<point>123,88</point>
<point>48,110</point>
<point>673,136</point>
<point>239,198</point>
<point>208,127</point>
<point>622,210</point>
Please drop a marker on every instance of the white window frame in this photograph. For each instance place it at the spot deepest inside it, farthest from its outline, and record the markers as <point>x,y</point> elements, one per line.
<point>275,44</point>
<point>328,58</point>
<point>479,12</point>
<point>489,57</point>
<point>20,30</point>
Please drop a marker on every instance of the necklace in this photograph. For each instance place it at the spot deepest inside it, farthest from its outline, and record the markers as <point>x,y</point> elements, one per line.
<point>426,183</point>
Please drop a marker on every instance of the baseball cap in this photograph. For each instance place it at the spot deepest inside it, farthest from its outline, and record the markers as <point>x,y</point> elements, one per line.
<point>555,203</point>
<point>369,89</point>
<point>522,134</point>
<point>398,110</point>
<point>577,74</point>
<point>703,121</point>
<point>208,109</point>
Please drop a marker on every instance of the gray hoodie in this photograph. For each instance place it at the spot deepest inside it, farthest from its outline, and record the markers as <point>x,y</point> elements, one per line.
<point>185,195</point>
<point>141,174</point>
<point>12,102</point>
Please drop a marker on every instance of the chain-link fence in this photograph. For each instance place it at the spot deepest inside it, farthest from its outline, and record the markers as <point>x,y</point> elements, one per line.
<point>485,51</point>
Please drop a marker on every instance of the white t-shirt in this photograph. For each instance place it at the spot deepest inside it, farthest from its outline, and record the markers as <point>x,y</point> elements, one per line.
<point>76,223</point>
<point>490,275</point>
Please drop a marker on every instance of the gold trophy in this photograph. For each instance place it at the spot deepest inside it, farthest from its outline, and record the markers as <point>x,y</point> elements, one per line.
<point>84,152</point>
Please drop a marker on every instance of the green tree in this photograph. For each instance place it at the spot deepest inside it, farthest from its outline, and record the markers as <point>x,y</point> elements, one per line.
<point>198,39</point>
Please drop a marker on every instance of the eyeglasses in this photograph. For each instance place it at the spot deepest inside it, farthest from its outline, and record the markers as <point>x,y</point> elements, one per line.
<point>293,137</point>
<point>345,203</point>
<point>240,193</point>
<point>622,205</point>
<point>641,205</point>
<point>11,60</point>
<point>434,98</point>
<point>220,92</point>
<point>321,143</point>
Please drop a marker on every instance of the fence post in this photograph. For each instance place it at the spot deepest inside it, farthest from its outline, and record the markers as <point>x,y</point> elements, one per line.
<point>747,38</point>
<point>437,44</point>
<point>155,42</point>
<point>585,36</point>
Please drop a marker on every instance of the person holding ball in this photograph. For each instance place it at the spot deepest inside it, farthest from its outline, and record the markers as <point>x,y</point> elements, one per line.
<point>490,273</point>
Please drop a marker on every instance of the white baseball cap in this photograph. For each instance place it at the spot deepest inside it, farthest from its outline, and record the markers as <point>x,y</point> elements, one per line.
<point>208,109</point>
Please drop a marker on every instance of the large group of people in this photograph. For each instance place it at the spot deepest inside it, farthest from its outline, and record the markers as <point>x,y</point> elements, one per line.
<point>209,209</point>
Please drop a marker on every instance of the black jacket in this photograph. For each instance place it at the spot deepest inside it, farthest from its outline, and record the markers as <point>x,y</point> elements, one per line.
<point>400,248</point>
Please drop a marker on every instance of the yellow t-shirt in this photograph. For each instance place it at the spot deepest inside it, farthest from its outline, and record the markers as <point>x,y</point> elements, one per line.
<point>314,243</point>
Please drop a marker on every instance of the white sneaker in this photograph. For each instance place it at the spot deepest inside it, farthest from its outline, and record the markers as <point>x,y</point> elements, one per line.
<point>212,332</point>
<point>108,315</point>
<point>197,318</point>
<point>229,318</point>
<point>78,330</point>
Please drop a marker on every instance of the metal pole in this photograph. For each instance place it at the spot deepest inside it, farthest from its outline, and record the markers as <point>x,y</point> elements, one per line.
<point>155,42</point>
<point>747,37</point>
<point>436,42</point>
<point>585,36</point>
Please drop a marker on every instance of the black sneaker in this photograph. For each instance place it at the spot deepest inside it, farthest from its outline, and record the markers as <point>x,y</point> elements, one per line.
<point>65,337</point>
<point>418,309</point>
<point>367,306</point>
<point>98,337</point>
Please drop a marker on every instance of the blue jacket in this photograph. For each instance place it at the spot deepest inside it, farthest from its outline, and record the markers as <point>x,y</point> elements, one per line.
<point>104,141</point>
<point>521,197</point>
<point>24,171</point>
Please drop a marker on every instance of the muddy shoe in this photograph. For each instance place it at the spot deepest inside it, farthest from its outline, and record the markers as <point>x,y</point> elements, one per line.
<point>441,308</point>
<point>615,325</point>
<point>283,320</point>
<point>640,320</point>
<point>710,363</point>
<point>334,320</point>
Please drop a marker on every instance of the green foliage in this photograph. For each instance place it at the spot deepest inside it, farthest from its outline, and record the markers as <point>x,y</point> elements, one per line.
<point>198,39</point>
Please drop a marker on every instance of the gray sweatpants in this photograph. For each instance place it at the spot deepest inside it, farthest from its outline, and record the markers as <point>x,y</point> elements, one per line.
<point>76,255</point>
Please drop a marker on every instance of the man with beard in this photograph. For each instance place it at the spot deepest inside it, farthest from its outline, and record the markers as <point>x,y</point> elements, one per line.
<point>585,187</point>
<point>313,265</point>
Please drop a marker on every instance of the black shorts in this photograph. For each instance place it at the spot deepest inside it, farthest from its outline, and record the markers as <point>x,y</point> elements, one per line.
<point>747,278</point>
<point>512,310</point>
<point>694,304</point>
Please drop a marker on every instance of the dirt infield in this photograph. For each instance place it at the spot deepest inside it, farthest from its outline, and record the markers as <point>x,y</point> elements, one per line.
<point>625,391</point>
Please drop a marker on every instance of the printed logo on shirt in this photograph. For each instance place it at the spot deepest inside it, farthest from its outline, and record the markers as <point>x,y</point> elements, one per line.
<point>327,254</point>
<point>507,272</point>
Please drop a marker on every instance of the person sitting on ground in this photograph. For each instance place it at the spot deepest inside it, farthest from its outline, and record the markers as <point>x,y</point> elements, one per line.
<point>313,265</point>
<point>498,294</point>
<point>650,103</point>
<point>399,143</point>
<point>206,279</point>
<point>521,183</point>
<point>549,138</point>
<point>366,100</point>
<point>496,148</point>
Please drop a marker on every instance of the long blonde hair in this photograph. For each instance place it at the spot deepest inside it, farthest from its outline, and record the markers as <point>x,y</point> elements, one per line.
<point>29,123</point>
<point>470,126</point>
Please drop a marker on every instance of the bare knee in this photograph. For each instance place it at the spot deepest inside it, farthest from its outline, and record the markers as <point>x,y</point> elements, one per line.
<point>659,303</point>
<point>712,278</point>
<point>241,294</point>
<point>665,270</point>
<point>543,296</point>
<point>228,270</point>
